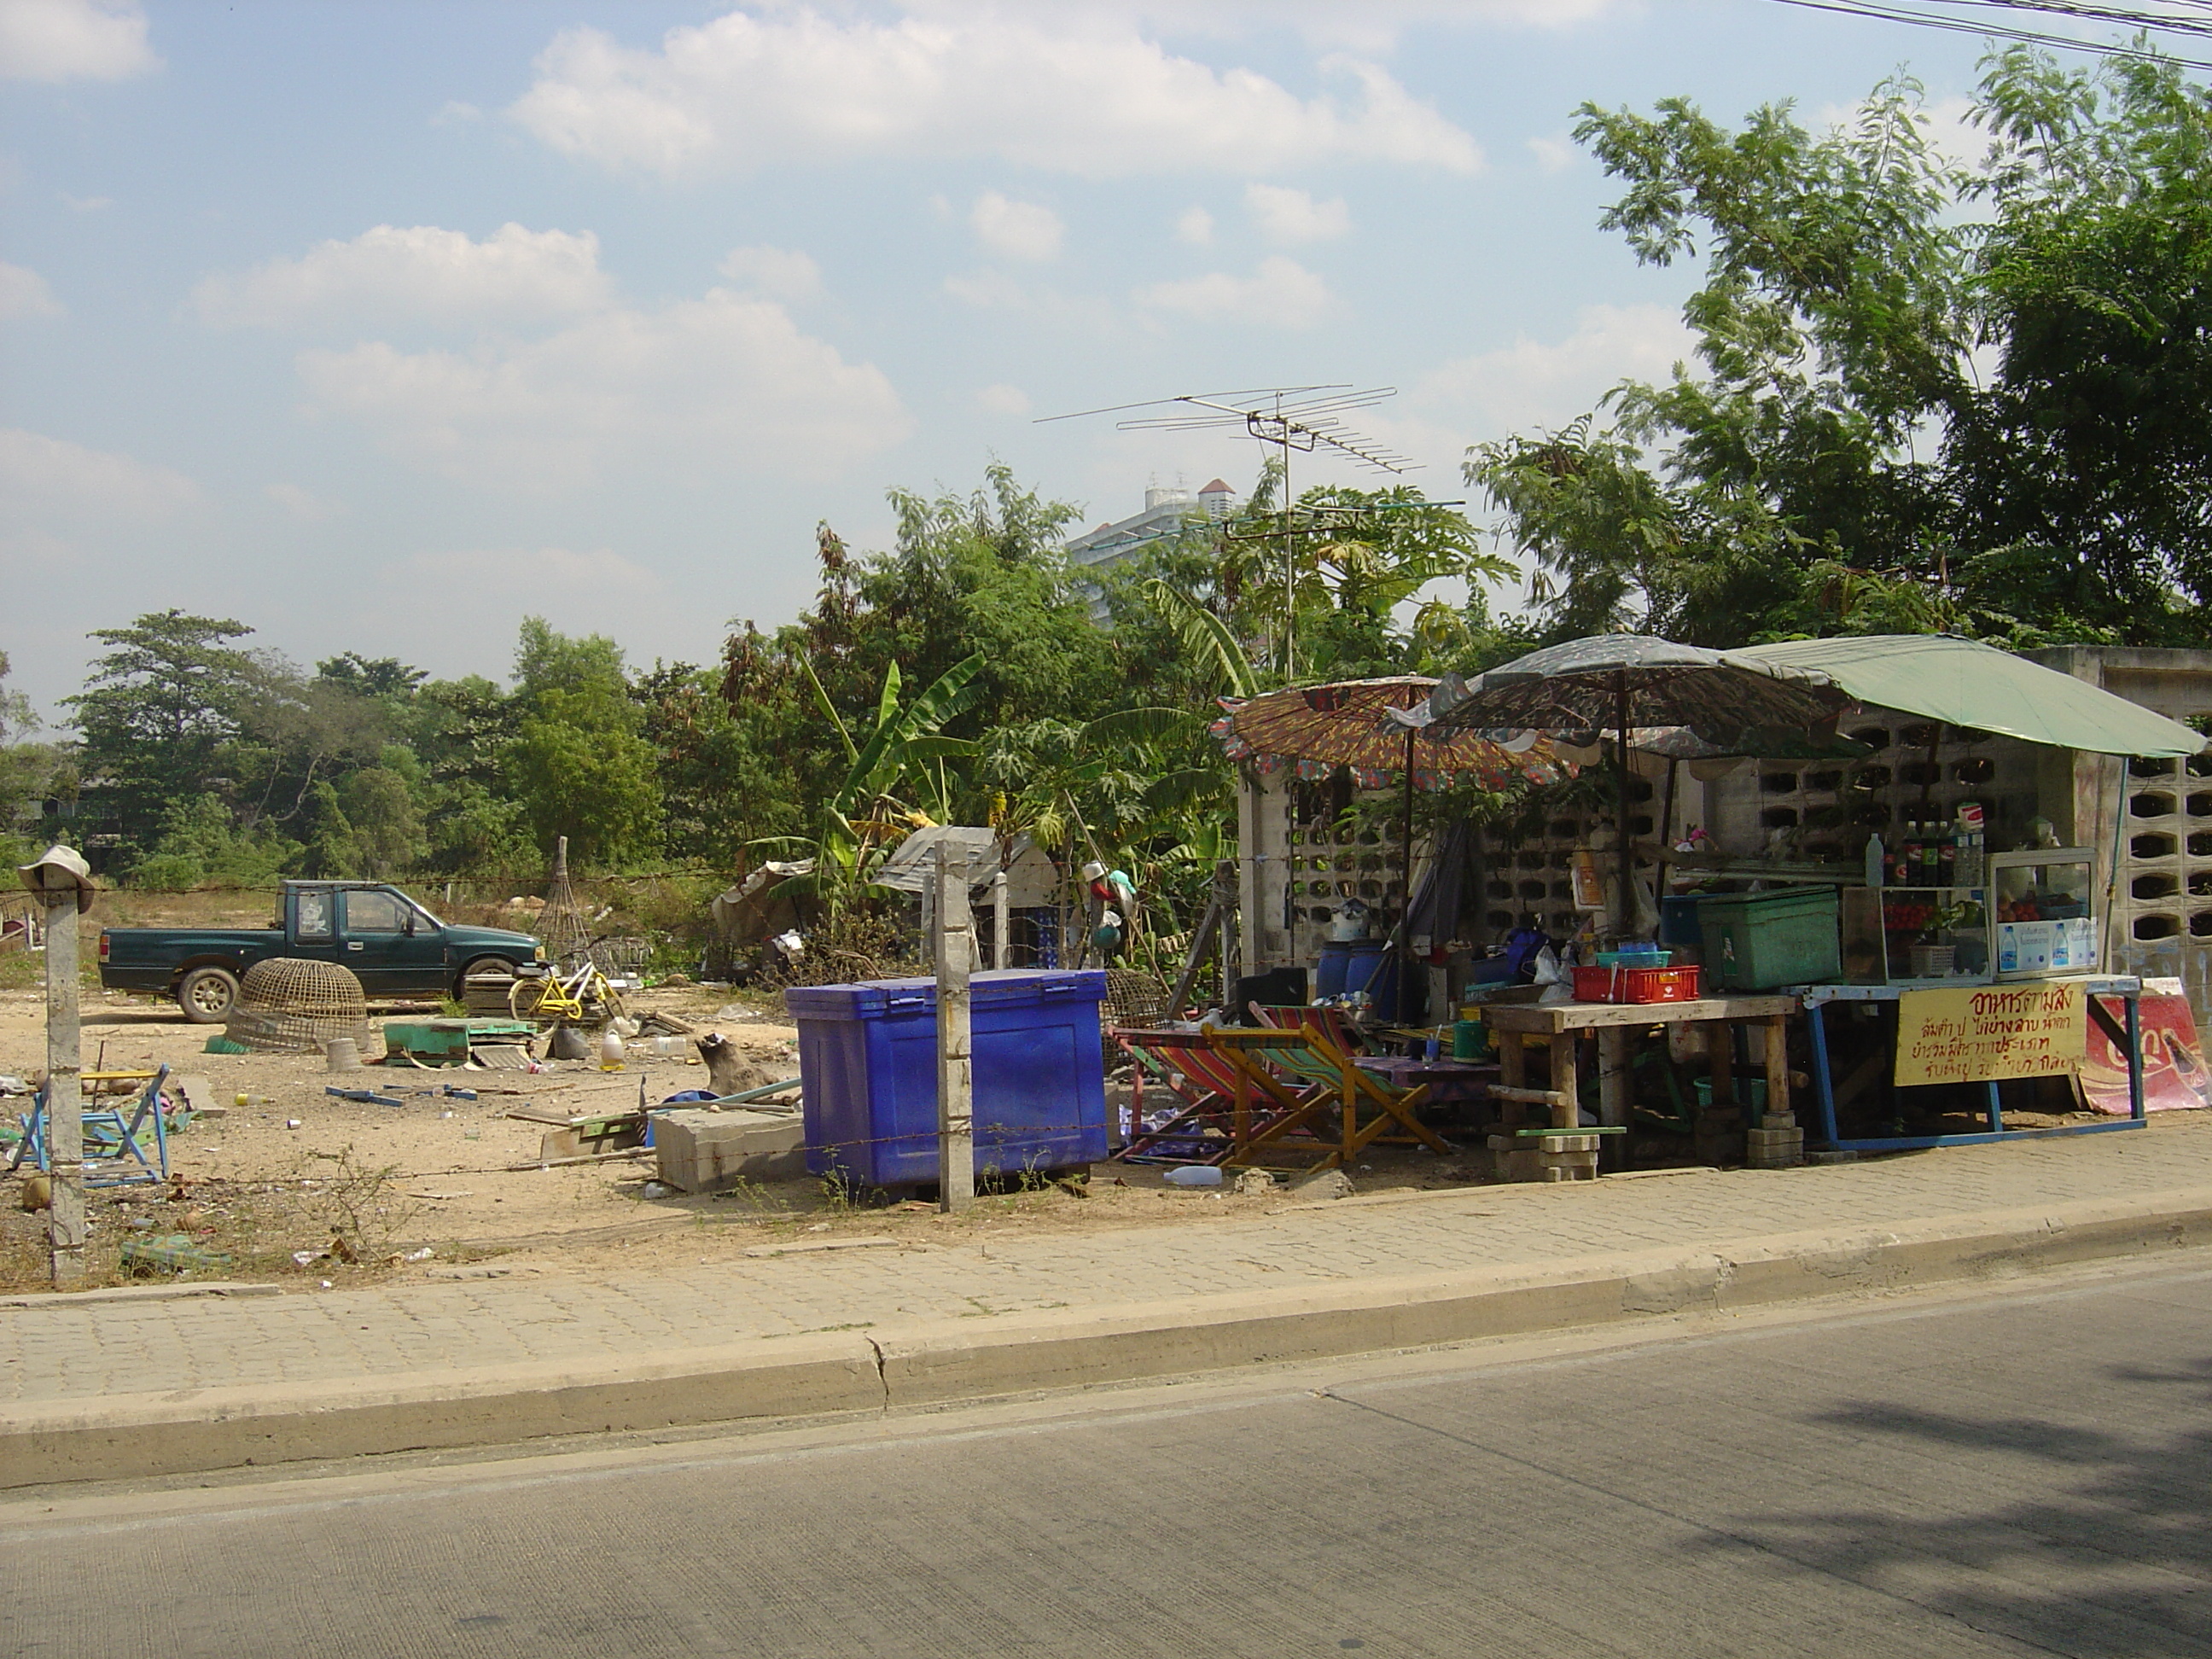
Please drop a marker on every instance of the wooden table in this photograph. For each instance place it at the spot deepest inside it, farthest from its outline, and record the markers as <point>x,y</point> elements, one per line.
<point>1561,1024</point>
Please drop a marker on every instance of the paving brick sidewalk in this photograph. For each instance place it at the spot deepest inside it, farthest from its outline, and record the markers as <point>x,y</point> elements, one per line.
<point>124,1348</point>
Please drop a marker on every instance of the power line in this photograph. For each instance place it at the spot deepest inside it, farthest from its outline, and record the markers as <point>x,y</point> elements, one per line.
<point>2198,24</point>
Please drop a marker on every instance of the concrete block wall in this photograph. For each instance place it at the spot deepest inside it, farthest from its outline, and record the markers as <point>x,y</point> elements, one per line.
<point>2160,823</point>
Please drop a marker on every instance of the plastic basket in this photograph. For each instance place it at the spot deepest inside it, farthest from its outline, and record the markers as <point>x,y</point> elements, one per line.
<point>1636,984</point>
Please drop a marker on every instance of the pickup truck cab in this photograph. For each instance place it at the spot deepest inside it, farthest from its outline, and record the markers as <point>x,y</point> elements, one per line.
<point>392,944</point>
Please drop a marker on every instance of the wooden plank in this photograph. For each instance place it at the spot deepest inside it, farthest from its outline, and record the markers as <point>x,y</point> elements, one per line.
<point>1544,1017</point>
<point>1565,1110</point>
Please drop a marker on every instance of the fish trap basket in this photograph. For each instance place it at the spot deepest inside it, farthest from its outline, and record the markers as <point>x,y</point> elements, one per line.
<point>1133,999</point>
<point>286,1006</point>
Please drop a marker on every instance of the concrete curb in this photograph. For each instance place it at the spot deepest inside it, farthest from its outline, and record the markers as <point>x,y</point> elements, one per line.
<point>941,1362</point>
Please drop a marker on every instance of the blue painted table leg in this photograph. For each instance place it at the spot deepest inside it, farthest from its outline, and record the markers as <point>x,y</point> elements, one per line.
<point>1997,1111</point>
<point>2135,1057</point>
<point>1823,1086</point>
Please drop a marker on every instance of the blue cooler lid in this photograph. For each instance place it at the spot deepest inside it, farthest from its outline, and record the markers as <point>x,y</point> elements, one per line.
<point>874,999</point>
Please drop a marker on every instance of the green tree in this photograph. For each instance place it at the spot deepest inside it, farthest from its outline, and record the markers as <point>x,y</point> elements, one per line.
<point>1832,464</point>
<point>578,763</point>
<point>160,713</point>
<point>2084,469</point>
<point>29,769</point>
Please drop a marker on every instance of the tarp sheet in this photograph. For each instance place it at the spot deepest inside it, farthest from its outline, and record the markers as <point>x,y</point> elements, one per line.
<point>1964,683</point>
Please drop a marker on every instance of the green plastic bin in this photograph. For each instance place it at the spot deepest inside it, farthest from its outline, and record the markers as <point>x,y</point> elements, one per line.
<point>1762,941</point>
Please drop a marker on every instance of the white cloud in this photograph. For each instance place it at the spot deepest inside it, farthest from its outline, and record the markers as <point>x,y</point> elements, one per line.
<point>1281,293</point>
<point>1372,25</point>
<point>25,293</point>
<point>1195,226</point>
<point>87,203</point>
<point>73,40</point>
<point>47,479</point>
<point>1089,97</point>
<point>784,272</point>
<point>1291,215</point>
<point>1534,383</point>
<point>1020,230</point>
<point>417,273</point>
<point>722,383</point>
<point>302,504</point>
<point>1003,399</point>
<point>1554,154</point>
<point>503,572</point>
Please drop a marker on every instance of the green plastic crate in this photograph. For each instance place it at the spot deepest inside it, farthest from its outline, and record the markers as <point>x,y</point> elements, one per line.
<point>1763,941</point>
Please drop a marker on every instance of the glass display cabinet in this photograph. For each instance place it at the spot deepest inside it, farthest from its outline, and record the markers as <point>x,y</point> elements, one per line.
<point>2045,912</point>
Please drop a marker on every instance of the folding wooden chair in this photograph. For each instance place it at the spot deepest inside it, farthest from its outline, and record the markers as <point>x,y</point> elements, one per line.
<point>1332,1023</point>
<point>1215,1093</point>
<point>115,1137</point>
<point>1330,1085</point>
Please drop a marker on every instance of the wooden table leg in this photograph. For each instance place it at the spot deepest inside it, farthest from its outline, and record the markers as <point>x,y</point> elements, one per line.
<point>1569,1115</point>
<point>1513,1072</point>
<point>1613,1092</point>
<point>1777,1064</point>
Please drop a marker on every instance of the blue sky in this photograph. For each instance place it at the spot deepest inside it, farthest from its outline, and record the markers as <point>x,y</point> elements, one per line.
<point>378,326</point>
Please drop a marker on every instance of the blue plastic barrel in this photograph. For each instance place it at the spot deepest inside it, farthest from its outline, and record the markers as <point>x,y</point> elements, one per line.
<point>1328,973</point>
<point>867,1059</point>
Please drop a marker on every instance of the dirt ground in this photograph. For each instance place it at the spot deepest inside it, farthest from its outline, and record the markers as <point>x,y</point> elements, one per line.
<point>430,1187</point>
<point>435,1173</point>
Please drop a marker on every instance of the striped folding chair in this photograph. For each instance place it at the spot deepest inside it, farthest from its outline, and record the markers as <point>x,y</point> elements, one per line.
<point>1365,1109</point>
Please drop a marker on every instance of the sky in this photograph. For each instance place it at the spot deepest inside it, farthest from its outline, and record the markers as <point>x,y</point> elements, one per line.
<point>379,326</point>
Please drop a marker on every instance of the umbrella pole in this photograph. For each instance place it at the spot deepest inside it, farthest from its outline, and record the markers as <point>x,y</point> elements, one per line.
<point>1628,913</point>
<point>1405,887</point>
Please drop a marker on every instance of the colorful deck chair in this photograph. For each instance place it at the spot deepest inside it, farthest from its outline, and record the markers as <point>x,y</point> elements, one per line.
<point>1216,1095</point>
<point>1342,1108</point>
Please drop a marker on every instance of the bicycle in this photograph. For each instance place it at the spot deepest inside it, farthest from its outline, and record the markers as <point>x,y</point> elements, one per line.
<point>581,998</point>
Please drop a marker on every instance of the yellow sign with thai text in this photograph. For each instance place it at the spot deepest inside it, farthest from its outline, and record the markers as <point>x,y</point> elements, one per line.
<point>1975,1034</point>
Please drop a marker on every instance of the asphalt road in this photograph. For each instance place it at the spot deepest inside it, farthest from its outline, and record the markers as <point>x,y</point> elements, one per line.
<point>2018,1472</point>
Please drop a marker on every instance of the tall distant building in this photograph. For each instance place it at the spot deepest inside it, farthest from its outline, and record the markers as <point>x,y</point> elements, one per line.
<point>1167,513</point>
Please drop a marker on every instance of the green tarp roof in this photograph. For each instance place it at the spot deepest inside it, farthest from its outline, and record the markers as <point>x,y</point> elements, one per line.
<point>1962,682</point>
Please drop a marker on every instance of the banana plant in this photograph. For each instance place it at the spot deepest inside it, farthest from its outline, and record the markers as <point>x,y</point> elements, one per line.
<point>895,781</point>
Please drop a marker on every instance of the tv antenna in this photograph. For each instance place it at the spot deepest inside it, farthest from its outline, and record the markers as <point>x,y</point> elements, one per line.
<point>1304,418</point>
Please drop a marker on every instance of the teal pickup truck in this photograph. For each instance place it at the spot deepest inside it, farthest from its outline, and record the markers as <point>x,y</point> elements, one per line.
<point>395,947</point>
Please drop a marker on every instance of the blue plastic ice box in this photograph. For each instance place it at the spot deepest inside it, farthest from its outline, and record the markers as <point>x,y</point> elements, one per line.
<point>867,1059</point>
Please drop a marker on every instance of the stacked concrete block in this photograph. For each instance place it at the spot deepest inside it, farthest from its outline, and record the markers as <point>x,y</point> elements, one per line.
<point>1569,1157</point>
<point>1513,1159</point>
<point>1562,1157</point>
<point>1778,1144</point>
<point>703,1151</point>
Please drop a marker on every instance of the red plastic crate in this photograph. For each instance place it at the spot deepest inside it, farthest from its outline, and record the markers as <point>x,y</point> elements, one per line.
<point>1636,984</point>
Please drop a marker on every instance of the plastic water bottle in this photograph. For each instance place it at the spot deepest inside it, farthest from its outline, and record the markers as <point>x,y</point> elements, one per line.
<point>1194,1175</point>
<point>1874,854</point>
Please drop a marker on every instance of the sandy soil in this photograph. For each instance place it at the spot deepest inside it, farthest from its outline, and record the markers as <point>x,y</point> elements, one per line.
<point>450,1188</point>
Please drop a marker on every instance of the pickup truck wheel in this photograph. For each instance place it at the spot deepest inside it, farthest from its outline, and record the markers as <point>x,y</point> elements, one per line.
<point>205,995</point>
<point>482,968</point>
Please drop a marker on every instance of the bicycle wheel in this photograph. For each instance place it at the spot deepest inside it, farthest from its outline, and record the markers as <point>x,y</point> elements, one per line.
<point>526,997</point>
<point>608,999</point>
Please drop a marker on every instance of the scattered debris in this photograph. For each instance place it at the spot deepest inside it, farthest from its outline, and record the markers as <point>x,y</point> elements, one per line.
<point>729,1069</point>
<point>813,1246</point>
<point>169,1253</point>
<point>1255,1183</point>
<point>1329,1183</point>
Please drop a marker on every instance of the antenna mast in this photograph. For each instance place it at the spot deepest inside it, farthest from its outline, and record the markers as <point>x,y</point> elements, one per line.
<point>1291,417</point>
